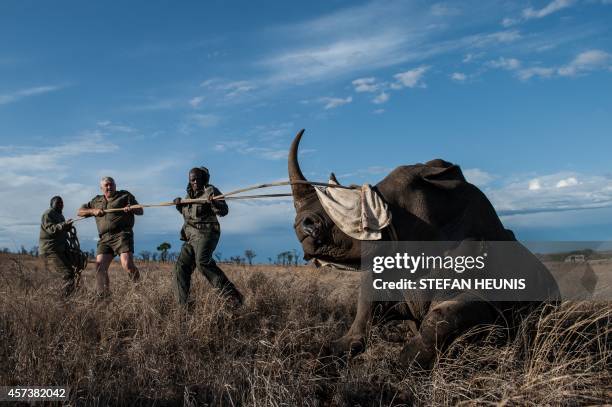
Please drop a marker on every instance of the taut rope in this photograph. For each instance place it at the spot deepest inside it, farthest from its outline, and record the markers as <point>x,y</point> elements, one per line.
<point>230,195</point>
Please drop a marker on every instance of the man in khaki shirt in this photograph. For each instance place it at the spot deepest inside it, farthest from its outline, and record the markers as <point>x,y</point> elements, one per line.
<point>52,245</point>
<point>114,230</point>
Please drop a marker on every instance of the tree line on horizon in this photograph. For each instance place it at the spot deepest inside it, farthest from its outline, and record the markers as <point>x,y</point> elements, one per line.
<point>163,254</point>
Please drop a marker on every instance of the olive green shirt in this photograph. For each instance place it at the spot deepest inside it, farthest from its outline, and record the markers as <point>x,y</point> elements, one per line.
<point>53,232</point>
<point>113,222</point>
<point>197,215</point>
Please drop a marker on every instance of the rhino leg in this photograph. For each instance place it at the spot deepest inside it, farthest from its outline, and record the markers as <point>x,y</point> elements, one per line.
<point>354,341</point>
<point>442,324</point>
<point>368,313</point>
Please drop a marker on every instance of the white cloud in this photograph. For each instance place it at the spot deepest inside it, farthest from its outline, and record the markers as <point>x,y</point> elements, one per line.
<point>586,61</point>
<point>528,73</point>
<point>29,177</point>
<point>552,7</point>
<point>366,85</point>
<point>471,57</point>
<point>509,22</point>
<point>333,102</point>
<point>534,185</point>
<point>561,191</point>
<point>333,59</point>
<point>381,98</point>
<point>530,13</point>
<point>196,101</point>
<point>477,176</point>
<point>352,40</point>
<point>509,64</point>
<point>458,76</point>
<point>410,79</point>
<point>24,93</point>
<point>226,91</point>
<point>567,182</point>
<point>41,160</point>
<point>492,39</point>
<point>237,88</point>
<point>378,111</point>
<point>273,136</point>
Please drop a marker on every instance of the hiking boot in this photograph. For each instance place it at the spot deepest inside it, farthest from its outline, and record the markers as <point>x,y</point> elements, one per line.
<point>234,300</point>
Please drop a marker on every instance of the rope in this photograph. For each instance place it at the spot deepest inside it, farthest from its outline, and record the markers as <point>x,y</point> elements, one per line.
<point>76,257</point>
<point>229,195</point>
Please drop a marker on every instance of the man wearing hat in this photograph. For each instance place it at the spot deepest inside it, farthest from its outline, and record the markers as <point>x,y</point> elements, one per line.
<point>200,233</point>
<point>53,244</point>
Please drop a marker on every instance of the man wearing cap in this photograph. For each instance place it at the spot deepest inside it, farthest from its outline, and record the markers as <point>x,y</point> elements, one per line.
<point>114,230</point>
<point>53,244</point>
<point>201,232</point>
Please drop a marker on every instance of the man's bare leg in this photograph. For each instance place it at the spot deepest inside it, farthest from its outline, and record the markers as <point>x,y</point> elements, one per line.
<point>127,262</point>
<point>103,261</point>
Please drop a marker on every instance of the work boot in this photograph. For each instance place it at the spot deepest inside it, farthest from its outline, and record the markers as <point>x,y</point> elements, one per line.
<point>234,299</point>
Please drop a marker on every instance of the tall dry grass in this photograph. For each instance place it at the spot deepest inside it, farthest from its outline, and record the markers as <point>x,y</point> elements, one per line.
<point>141,348</point>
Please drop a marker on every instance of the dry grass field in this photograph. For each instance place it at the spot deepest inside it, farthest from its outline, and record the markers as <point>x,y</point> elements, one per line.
<point>141,348</point>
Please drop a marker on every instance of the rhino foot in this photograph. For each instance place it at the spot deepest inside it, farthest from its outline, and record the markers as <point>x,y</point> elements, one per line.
<point>348,345</point>
<point>417,354</point>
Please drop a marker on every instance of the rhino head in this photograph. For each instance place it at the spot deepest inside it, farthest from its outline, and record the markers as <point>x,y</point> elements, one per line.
<point>322,241</point>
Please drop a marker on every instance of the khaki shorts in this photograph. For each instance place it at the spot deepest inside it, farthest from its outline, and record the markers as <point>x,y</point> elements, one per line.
<point>116,243</point>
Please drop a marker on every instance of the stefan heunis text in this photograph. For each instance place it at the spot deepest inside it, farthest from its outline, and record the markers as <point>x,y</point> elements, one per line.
<point>451,284</point>
<point>413,263</point>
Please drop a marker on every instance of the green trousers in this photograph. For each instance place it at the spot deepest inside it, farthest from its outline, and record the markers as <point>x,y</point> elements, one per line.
<point>198,252</point>
<point>59,266</point>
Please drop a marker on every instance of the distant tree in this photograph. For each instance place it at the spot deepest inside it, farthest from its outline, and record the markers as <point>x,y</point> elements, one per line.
<point>163,249</point>
<point>23,250</point>
<point>270,260</point>
<point>145,255</point>
<point>237,260</point>
<point>295,257</point>
<point>5,250</point>
<point>218,256</point>
<point>289,258</point>
<point>172,256</point>
<point>284,258</point>
<point>154,257</point>
<point>250,255</point>
<point>34,251</point>
<point>92,254</point>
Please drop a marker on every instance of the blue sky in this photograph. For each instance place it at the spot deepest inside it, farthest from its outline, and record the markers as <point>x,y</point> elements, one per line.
<point>517,93</point>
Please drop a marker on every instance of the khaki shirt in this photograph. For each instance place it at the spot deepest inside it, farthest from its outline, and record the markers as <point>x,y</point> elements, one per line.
<point>53,232</point>
<point>113,222</point>
<point>197,215</point>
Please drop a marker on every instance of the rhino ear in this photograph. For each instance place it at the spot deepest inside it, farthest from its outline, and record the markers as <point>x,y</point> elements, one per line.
<point>444,175</point>
<point>333,179</point>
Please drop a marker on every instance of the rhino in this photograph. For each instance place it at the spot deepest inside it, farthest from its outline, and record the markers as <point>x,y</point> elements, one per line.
<point>428,202</point>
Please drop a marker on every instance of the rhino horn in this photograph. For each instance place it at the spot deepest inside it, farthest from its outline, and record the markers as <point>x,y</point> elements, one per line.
<point>333,179</point>
<point>301,192</point>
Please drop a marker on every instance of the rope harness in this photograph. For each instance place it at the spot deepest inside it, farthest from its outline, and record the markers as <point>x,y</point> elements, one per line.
<point>76,257</point>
